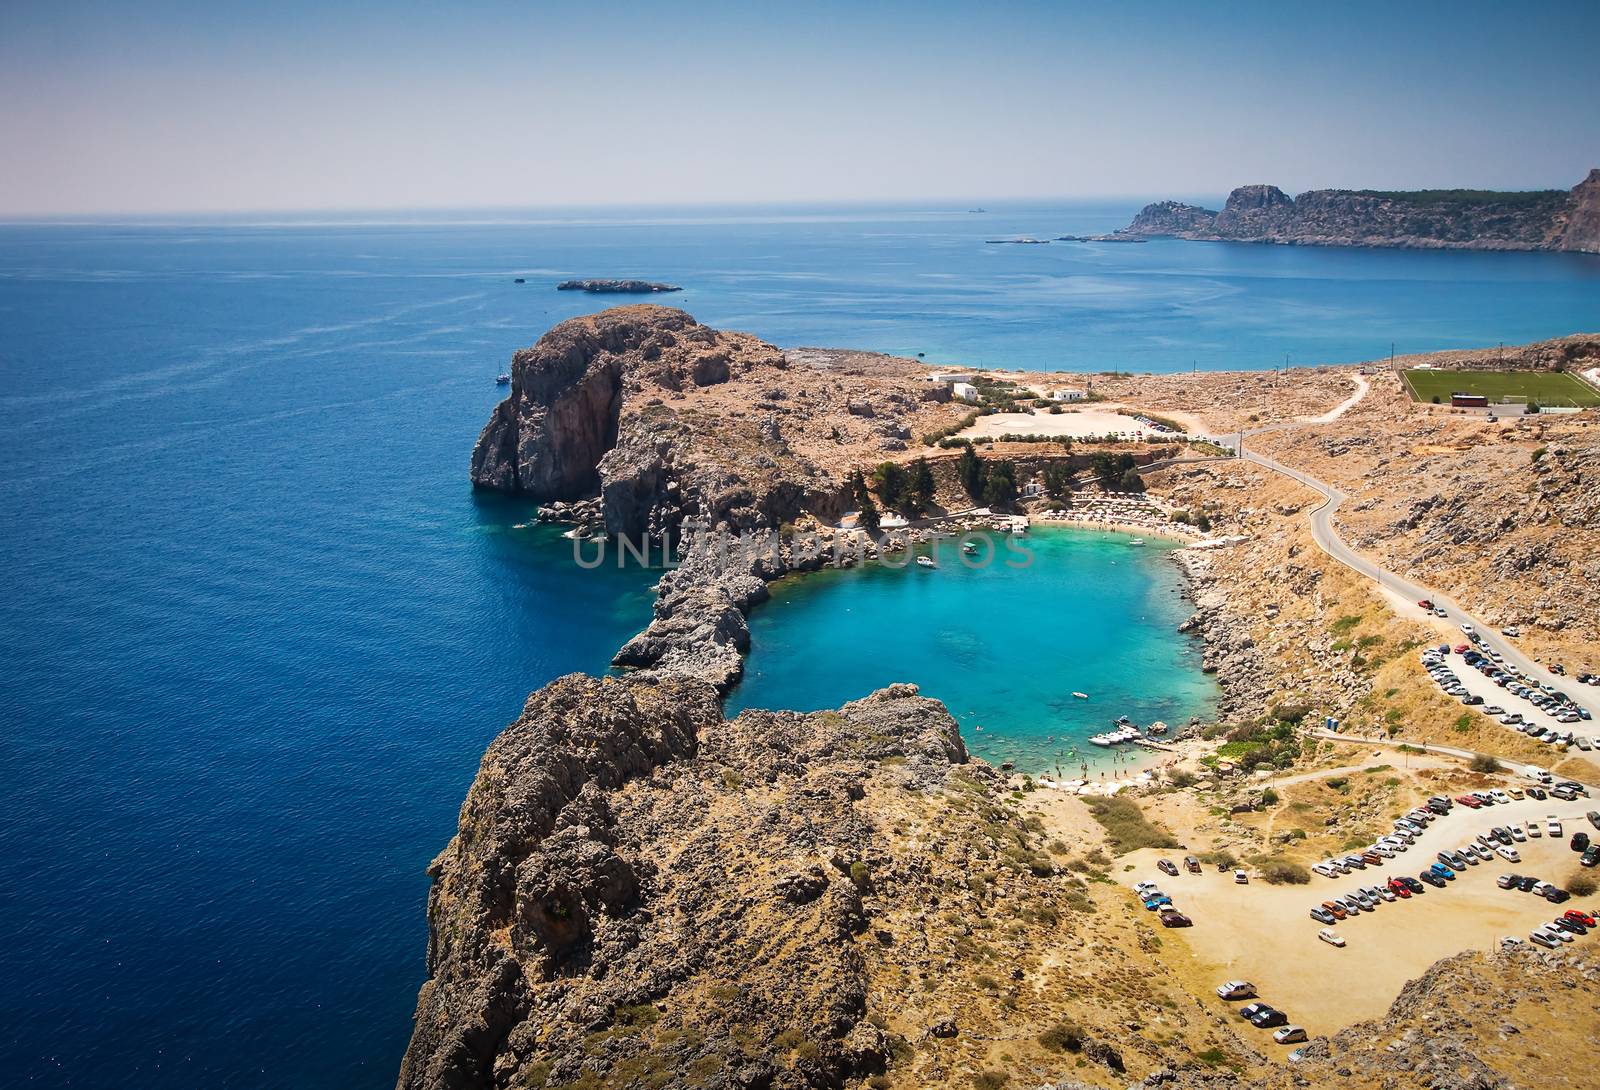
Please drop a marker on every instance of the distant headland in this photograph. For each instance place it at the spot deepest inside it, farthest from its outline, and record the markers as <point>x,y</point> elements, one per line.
<point>1441,219</point>
<point>616,287</point>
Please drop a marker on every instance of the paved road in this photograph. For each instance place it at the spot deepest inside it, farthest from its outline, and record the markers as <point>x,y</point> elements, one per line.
<point>1512,767</point>
<point>1407,593</point>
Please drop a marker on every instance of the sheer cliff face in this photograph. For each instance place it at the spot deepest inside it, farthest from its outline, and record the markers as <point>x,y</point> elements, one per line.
<point>1582,232</point>
<point>1549,220</point>
<point>629,865</point>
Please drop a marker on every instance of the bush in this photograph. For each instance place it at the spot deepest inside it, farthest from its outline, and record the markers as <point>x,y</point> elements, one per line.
<point>1269,797</point>
<point>1290,713</point>
<point>990,1080</point>
<point>1063,1037</point>
<point>1282,872</point>
<point>1127,827</point>
<point>1484,763</point>
<point>1582,884</point>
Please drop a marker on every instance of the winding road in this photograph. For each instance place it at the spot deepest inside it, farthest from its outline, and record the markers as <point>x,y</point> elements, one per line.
<point>1403,593</point>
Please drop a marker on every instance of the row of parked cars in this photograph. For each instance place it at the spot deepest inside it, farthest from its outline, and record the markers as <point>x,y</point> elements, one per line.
<point>1406,831</point>
<point>1544,696</point>
<point>1261,1015</point>
<point>1571,924</point>
<point>1158,902</point>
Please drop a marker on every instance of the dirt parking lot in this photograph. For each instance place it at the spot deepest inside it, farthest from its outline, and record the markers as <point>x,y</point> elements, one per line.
<point>1264,934</point>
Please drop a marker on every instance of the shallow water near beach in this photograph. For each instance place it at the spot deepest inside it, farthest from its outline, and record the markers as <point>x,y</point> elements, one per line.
<point>1004,646</point>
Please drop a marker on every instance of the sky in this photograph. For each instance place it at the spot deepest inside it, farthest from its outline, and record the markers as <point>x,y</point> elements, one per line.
<point>165,107</point>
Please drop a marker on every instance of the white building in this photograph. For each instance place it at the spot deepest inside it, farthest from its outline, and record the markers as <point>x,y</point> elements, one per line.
<point>1067,395</point>
<point>966,391</point>
<point>943,377</point>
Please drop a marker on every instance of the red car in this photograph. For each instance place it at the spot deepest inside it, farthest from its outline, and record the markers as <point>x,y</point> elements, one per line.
<point>1462,648</point>
<point>1399,888</point>
<point>1576,916</point>
<point>1469,802</point>
<point>1425,604</point>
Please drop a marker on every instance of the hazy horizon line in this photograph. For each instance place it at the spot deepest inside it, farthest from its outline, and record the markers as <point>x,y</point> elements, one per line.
<point>394,215</point>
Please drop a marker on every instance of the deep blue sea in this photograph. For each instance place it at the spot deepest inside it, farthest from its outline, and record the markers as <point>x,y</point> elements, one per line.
<point>256,629</point>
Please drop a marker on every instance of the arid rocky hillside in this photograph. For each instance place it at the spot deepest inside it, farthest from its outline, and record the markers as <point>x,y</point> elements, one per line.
<point>1425,219</point>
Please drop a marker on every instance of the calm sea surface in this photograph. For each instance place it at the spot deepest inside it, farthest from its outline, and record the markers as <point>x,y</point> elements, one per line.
<point>257,630</point>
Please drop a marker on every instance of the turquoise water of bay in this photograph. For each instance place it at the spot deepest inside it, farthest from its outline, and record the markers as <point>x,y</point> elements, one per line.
<point>257,630</point>
<point>1004,643</point>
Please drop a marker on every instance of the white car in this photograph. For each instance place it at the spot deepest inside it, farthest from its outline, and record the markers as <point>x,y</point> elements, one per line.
<point>1554,825</point>
<point>1324,869</point>
<point>1508,854</point>
<point>1517,834</point>
<point>1499,796</point>
<point>1236,989</point>
<point>1555,932</point>
<point>1534,830</point>
<point>1288,1035</point>
<point>1331,937</point>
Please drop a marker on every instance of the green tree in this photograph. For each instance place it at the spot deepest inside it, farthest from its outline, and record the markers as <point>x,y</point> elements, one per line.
<point>1131,482</point>
<point>1104,468</point>
<point>1058,481</point>
<point>922,485</point>
<point>1001,486</point>
<point>857,484</point>
<point>970,469</point>
<point>868,519</point>
<point>891,482</point>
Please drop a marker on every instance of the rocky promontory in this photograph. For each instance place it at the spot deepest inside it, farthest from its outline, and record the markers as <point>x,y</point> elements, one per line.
<point>1456,219</point>
<point>643,893</point>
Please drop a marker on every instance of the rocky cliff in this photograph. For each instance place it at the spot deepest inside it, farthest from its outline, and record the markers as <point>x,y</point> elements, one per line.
<point>1424,219</point>
<point>642,893</point>
<point>655,419</point>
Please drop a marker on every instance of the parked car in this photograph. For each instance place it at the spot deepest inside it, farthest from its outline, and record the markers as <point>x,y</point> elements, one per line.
<point>1510,855</point>
<point>1580,842</point>
<point>1250,1010</point>
<point>1399,887</point>
<point>1432,879</point>
<point>1269,1018</point>
<point>1442,871</point>
<point>1542,939</point>
<point>1334,909</point>
<point>1591,857</point>
<point>1557,896</point>
<point>1506,881</point>
<point>1241,878</point>
<point>1553,825</point>
<point>1153,903</point>
<point>1191,864</point>
<point>1288,1035</point>
<point>1577,915</point>
<point>1322,915</point>
<point>1171,917</point>
<point>1236,989</point>
<point>1330,937</point>
<point>1594,818</point>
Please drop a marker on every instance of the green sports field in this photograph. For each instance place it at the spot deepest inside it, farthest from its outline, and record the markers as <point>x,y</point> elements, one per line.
<point>1539,387</point>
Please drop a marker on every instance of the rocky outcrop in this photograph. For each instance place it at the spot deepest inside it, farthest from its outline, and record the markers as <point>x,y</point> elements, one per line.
<point>591,413</point>
<point>616,287</point>
<point>1425,219</point>
<point>642,893</point>
<point>1582,232</point>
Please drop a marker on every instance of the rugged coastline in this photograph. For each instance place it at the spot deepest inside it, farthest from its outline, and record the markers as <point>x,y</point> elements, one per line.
<point>1555,220</point>
<point>643,892</point>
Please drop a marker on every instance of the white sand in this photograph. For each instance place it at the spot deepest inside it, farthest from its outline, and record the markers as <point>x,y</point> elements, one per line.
<point>1082,424</point>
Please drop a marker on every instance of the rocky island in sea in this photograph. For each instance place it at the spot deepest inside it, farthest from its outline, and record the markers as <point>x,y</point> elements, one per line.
<point>644,892</point>
<point>1454,219</point>
<point>617,287</point>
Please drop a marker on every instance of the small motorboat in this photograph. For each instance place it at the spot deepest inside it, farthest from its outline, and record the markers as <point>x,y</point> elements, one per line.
<point>502,380</point>
<point>1137,541</point>
<point>1081,696</point>
<point>926,562</point>
<point>970,549</point>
